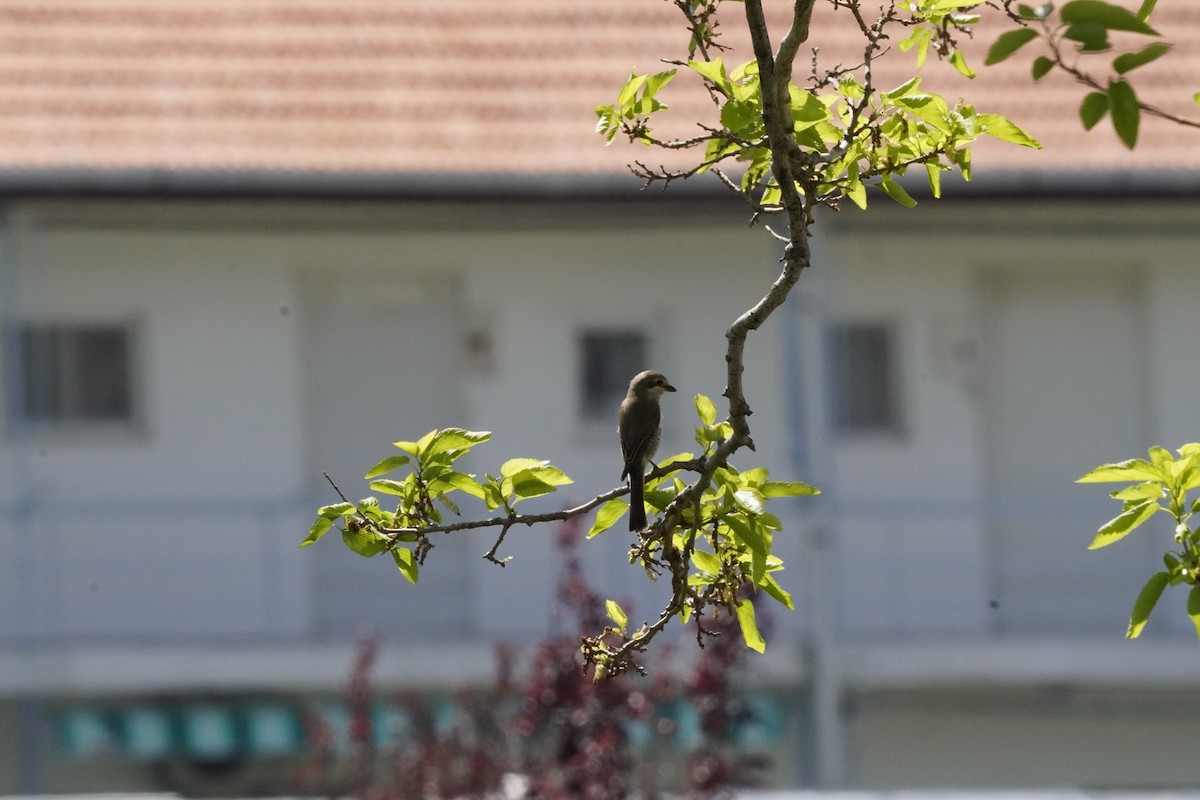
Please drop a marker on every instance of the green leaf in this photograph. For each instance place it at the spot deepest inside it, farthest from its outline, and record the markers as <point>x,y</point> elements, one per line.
<point>1009,43</point>
<point>896,192</point>
<point>607,516</point>
<point>385,466</point>
<point>750,499</point>
<point>752,477</point>
<point>903,89</point>
<point>706,562</point>
<point>336,510</point>
<point>464,483</point>
<point>787,489</point>
<point>856,190</point>
<point>656,82</point>
<point>934,171</point>
<point>849,87</point>
<point>1193,607</point>
<point>1147,9</point>
<point>493,495</point>
<point>1093,108</point>
<point>750,634</point>
<point>617,615</point>
<point>742,119</point>
<point>716,149</point>
<point>746,533</point>
<point>1121,525</point>
<point>1131,61</point>
<point>770,196</point>
<point>962,157</point>
<point>959,62</point>
<point>950,5</point>
<point>325,517</point>
<point>714,72</point>
<point>533,479</point>
<point>424,442</point>
<point>706,409</point>
<point>606,122</point>
<point>388,486</point>
<point>758,566</point>
<point>1189,473</point>
<point>411,448</point>
<point>919,39</point>
<point>1002,128</point>
<point>677,457</point>
<point>1092,36</point>
<point>456,439</point>
<point>1125,110</point>
<point>1041,66</point>
<point>1151,490</point>
<point>525,484</point>
<point>515,465</point>
<point>406,563</point>
<point>774,590</point>
<point>1106,14</point>
<point>1145,603</point>
<point>551,474</point>
<point>1132,470</point>
<point>364,543</point>
<point>317,530</point>
<point>807,108</point>
<point>630,89</point>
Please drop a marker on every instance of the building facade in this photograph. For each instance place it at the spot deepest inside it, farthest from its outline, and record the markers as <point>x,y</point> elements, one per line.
<point>246,246</point>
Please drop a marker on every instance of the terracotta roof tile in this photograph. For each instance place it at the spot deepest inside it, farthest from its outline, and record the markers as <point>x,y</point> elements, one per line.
<point>453,86</point>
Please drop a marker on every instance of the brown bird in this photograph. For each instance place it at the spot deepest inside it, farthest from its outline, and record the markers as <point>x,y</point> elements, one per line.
<point>639,424</point>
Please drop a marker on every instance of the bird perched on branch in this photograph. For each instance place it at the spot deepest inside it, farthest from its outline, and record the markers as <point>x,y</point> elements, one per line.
<point>639,424</point>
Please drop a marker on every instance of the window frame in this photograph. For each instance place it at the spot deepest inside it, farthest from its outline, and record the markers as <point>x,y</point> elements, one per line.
<point>897,424</point>
<point>18,423</point>
<point>605,409</point>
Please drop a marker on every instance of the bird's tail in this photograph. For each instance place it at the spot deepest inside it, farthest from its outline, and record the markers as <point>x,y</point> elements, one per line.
<point>637,506</point>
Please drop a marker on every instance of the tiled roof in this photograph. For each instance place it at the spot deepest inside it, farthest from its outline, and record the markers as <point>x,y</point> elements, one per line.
<point>453,86</point>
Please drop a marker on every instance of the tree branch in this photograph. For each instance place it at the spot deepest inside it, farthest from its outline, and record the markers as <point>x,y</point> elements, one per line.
<point>775,78</point>
<point>796,35</point>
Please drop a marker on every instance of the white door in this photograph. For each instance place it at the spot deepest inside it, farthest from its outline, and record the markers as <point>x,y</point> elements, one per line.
<point>382,364</point>
<point>1065,390</point>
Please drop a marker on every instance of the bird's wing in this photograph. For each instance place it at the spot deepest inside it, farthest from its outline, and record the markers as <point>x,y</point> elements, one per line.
<point>634,436</point>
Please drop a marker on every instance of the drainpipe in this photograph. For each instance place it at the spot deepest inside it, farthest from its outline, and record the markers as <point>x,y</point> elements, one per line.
<point>808,395</point>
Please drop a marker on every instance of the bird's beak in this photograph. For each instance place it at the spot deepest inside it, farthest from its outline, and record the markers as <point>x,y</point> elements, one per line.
<point>669,388</point>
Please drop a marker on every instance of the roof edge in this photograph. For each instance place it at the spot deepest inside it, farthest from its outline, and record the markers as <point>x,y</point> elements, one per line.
<point>275,184</point>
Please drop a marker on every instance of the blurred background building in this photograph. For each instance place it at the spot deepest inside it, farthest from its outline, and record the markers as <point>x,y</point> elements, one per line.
<point>243,244</point>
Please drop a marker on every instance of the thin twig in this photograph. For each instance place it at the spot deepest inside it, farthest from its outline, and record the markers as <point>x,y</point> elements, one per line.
<point>335,487</point>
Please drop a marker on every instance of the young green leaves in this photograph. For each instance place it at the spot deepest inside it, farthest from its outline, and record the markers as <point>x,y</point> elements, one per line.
<point>425,493</point>
<point>850,135</point>
<point>636,101</point>
<point>1158,484</point>
<point>1085,26</point>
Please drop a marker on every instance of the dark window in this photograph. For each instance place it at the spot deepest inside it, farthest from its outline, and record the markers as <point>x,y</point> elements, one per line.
<point>609,359</point>
<point>866,396</point>
<point>72,373</point>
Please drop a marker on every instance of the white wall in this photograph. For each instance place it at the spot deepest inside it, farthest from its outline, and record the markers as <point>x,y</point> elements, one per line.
<point>916,546</point>
<point>190,528</point>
